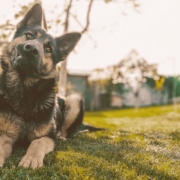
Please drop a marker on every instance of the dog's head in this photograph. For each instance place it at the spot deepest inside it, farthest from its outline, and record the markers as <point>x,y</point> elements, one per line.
<point>33,51</point>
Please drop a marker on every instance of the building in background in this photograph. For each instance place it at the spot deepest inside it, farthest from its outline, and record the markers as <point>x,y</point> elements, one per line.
<point>96,96</point>
<point>77,82</point>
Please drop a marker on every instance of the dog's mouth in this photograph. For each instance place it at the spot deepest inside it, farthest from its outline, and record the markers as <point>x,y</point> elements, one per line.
<point>17,57</point>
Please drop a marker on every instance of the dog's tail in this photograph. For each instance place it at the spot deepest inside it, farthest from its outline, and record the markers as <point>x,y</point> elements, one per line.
<point>87,127</point>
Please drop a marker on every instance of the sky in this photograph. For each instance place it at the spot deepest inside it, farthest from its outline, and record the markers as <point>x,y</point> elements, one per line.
<point>154,32</point>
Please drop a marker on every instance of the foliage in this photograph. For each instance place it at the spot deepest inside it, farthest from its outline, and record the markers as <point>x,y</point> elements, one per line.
<point>133,69</point>
<point>8,27</point>
<point>143,146</point>
<point>25,8</point>
<point>135,4</point>
<point>173,86</point>
<point>150,82</point>
<point>119,88</point>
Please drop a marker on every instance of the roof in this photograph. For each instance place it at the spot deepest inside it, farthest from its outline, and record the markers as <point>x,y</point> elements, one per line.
<point>78,73</point>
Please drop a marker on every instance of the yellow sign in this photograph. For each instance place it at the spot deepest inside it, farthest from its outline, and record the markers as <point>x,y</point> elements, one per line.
<point>159,83</point>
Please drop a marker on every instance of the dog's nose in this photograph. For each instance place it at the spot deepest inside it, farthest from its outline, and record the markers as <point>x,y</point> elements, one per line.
<point>31,48</point>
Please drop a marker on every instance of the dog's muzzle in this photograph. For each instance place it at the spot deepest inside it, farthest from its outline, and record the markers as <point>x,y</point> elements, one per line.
<point>28,53</point>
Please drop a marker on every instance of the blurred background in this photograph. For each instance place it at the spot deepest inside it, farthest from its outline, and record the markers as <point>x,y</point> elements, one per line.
<point>128,55</point>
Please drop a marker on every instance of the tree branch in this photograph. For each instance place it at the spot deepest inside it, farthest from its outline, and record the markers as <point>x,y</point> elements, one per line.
<point>77,20</point>
<point>67,16</point>
<point>87,17</point>
<point>79,23</point>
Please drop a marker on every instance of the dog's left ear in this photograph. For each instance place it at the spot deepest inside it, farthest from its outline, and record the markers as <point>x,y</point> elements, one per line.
<point>33,17</point>
<point>66,43</point>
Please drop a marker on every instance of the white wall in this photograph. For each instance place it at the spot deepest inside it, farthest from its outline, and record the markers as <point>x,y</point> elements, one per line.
<point>147,96</point>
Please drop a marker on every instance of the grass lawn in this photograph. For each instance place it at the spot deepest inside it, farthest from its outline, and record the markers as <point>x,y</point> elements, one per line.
<point>143,144</point>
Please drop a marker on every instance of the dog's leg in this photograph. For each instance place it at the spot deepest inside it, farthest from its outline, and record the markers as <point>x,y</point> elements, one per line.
<point>6,144</point>
<point>73,115</point>
<point>11,128</point>
<point>36,152</point>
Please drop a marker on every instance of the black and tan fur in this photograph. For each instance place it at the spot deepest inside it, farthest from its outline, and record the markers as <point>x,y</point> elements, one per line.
<point>71,110</point>
<point>28,105</point>
<point>71,113</point>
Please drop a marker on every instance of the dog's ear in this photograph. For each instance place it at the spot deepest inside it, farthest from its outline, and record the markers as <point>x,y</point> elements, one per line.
<point>66,43</point>
<point>33,17</point>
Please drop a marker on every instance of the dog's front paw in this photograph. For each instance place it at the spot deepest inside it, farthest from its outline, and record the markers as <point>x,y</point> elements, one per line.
<point>1,161</point>
<point>61,136</point>
<point>31,161</point>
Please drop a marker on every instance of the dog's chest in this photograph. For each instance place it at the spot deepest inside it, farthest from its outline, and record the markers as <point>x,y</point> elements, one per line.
<point>30,102</point>
<point>35,130</point>
<point>30,98</point>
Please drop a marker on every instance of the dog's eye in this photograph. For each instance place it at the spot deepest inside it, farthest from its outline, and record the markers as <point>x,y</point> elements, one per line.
<point>29,36</point>
<point>47,49</point>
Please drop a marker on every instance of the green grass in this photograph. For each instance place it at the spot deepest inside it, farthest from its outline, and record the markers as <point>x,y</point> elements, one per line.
<point>143,144</point>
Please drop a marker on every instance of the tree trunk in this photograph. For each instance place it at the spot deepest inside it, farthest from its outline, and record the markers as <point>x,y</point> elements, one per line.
<point>174,94</point>
<point>62,79</point>
<point>136,101</point>
<point>63,72</point>
<point>97,98</point>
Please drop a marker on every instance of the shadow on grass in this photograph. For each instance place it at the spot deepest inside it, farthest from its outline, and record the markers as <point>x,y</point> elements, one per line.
<point>175,135</point>
<point>125,152</point>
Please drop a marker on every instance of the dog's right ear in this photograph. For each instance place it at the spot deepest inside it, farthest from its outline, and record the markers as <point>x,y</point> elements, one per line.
<point>33,17</point>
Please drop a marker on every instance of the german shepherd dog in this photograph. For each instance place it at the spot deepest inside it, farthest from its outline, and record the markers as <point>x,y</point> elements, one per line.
<point>29,107</point>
